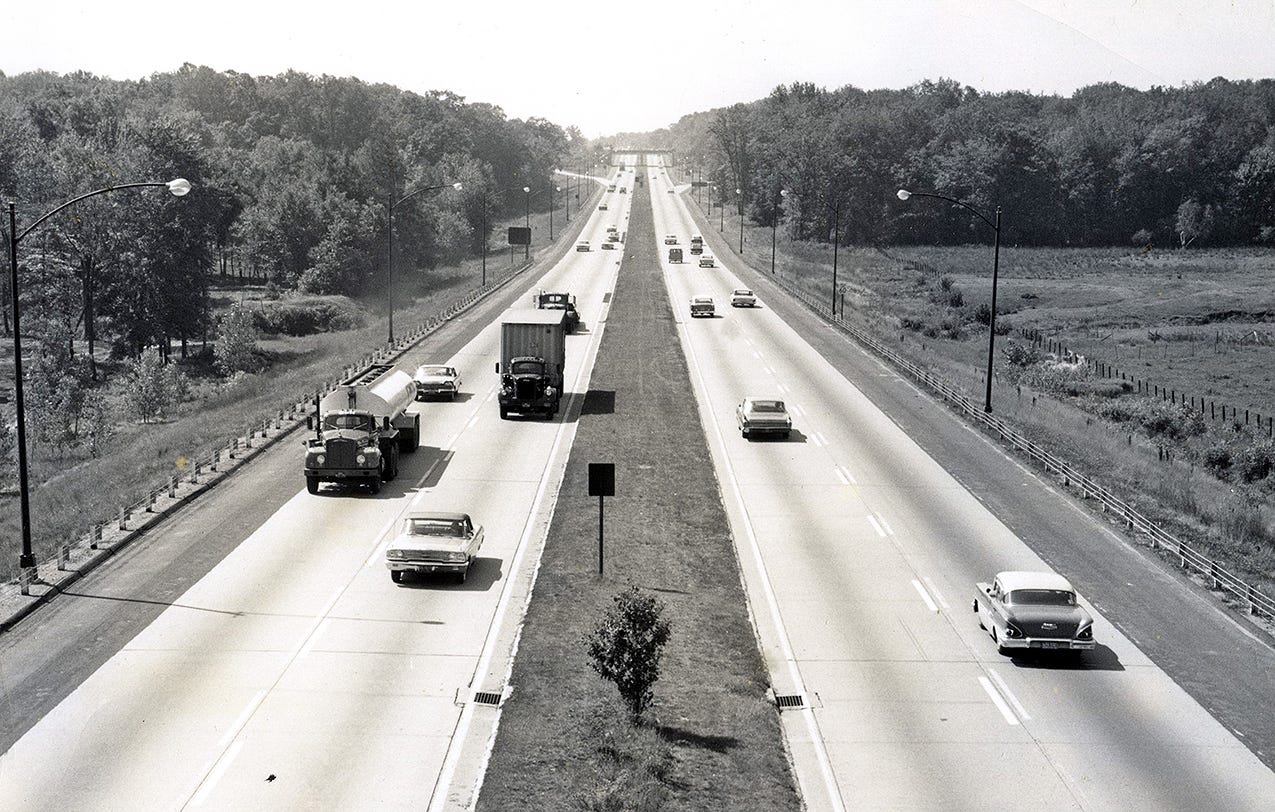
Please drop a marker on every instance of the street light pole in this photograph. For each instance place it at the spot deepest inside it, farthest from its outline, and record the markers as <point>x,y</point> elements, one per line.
<point>904,194</point>
<point>178,188</point>
<point>739,203</point>
<point>774,226</point>
<point>836,242</point>
<point>484,283</point>
<point>526,195</point>
<point>389,263</point>
<point>553,200</point>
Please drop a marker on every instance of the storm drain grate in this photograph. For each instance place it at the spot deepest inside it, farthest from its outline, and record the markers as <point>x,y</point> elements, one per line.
<point>487,698</point>
<point>790,701</point>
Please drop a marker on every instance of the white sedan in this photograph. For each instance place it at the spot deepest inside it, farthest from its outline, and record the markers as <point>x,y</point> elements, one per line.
<point>436,380</point>
<point>702,306</point>
<point>763,416</point>
<point>743,297</point>
<point>432,541</point>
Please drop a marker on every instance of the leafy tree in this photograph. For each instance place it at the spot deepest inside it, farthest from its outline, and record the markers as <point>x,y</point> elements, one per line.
<point>236,347</point>
<point>152,387</point>
<point>1193,221</point>
<point>626,646</point>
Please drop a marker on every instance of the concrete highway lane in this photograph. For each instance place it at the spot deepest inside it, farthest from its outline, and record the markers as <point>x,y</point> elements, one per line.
<point>861,554</point>
<point>296,674</point>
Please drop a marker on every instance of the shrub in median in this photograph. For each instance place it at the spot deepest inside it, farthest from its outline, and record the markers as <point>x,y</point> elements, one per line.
<point>626,645</point>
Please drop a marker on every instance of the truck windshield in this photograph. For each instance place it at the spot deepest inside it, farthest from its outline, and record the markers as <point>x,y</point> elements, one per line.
<point>527,368</point>
<point>347,421</point>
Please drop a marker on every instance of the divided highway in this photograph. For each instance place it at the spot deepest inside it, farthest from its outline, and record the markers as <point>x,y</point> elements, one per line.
<point>296,674</point>
<point>860,556</point>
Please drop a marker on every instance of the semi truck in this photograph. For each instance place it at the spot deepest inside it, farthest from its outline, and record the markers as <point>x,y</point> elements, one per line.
<point>361,427</point>
<point>545,300</point>
<point>532,360</point>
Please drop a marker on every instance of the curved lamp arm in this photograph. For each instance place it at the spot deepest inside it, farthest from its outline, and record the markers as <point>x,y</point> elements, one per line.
<point>178,187</point>
<point>904,194</point>
<point>457,186</point>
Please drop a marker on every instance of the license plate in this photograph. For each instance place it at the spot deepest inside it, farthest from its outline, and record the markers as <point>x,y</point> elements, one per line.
<point>1053,645</point>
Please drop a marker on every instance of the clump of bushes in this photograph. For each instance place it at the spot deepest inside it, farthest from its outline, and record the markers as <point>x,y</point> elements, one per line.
<point>304,318</point>
<point>1155,417</point>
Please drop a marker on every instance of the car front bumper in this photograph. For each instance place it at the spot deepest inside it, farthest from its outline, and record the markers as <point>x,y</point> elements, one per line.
<point>1045,643</point>
<point>426,566</point>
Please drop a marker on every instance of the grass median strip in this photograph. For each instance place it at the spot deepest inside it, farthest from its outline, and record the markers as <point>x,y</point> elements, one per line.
<point>712,739</point>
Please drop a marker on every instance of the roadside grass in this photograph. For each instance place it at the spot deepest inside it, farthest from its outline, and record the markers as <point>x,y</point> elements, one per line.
<point>1200,322</point>
<point>712,739</point>
<point>72,492</point>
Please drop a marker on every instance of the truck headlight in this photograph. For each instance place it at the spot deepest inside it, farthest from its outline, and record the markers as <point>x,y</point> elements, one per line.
<point>360,459</point>
<point>322,458</point>
<point>550,391</point>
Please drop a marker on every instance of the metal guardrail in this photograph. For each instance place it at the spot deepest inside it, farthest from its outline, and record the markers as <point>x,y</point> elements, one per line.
<point>162,498</point>
<point>1256,602</point>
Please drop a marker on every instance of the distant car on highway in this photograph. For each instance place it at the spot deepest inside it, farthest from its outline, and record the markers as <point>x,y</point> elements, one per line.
<point>706,261</point>
<point>602,207</point>
<point>762,416</point>
<point>742,297</point>
<point>583,245</point>
<point>1033,610</point>
<point>436,380</point>
<point>624,190</point>
<point>675,255</point>
<point>702,306</point>
<point>432,541</point>
<point>608,246</point>
<point>670,191</point>
<point>670,239</point>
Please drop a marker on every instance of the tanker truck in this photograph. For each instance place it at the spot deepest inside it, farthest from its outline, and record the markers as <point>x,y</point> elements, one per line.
<point>532,358</point>
<point>360,429</point>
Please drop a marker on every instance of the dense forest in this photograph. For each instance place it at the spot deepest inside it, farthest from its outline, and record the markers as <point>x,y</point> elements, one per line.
<point>1110,165</point>
<point>293,176</point>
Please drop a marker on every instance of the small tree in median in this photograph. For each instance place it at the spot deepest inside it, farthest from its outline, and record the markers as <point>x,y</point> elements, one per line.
<point>626,645</point>
<point>236,345</point>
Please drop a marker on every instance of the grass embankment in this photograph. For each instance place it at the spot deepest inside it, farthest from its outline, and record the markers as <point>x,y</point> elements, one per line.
<point>713,741</point>
<point>71,492</point>
<point>1195,321</point>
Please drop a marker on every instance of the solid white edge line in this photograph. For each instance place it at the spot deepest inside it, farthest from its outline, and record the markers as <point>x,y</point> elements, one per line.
<point>998,701</point>
<point>812,728</point>
<point>876,525</point>
<point>442,785</point>
<point>1013,700</point>
<point>925,596</point>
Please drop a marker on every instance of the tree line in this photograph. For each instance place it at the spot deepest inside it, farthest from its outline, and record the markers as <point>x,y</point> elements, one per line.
<point>293,175</point>
<point>1109,165</point>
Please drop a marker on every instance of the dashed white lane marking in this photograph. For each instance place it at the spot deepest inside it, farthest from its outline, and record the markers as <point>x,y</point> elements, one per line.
<point>998,701</point>
<point>218,771</point>
<point>889,531</point>
<point>819,440</point>
<point>876,525</point>
<point>845,476</point>
<point>314,638</point>
<point>920,590</point>
<point>1013,700</point>
<point>796,410</point>
<point>841,475</point>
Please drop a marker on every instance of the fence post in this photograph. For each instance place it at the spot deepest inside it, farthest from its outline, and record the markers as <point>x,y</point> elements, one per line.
<point>123,519</point>
<point>1250,594</point>
<point>1213,574</point>
<point>64,556</point>
<point>172,488</point>
<point>95,536</point>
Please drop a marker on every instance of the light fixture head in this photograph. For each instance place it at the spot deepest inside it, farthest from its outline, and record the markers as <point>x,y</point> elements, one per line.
<point>179,187</point>
<point>904,194</point>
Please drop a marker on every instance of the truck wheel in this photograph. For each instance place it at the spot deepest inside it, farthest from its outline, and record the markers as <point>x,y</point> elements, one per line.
<point>374,485</point>
<point>410,439</point>
<point>391,464</point>
<point>312,484</point>
<point>504,412</point>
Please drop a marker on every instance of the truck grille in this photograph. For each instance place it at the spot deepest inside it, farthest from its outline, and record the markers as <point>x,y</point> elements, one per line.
<point>528,389</point>
<point>341,453</point>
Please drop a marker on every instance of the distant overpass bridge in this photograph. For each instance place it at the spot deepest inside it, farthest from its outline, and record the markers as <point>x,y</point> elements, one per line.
<point>617,152</point>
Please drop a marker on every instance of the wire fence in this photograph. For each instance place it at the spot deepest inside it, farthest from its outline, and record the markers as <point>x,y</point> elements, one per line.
<point>1222,412</point>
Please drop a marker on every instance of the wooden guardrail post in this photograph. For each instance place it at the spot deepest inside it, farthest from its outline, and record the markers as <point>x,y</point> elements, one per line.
<point>95,536</point>
<point>1214,575</point>
<point>123,525</point>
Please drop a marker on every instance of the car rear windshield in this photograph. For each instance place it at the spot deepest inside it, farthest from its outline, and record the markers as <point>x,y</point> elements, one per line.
<point>434,527</point>
<point>1042,597</point>
<point>435,371</point>
<point>768,405</point>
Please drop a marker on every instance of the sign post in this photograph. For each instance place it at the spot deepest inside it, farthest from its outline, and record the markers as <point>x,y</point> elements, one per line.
<point>601,485</point>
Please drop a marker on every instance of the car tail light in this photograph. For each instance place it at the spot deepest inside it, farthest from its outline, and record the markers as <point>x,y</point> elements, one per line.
<point>1013,631</point>
<point>1085,634</point>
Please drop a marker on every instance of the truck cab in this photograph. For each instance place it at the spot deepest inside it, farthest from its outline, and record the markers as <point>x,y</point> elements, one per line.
<point>526,387</point>
<point>565,302</point>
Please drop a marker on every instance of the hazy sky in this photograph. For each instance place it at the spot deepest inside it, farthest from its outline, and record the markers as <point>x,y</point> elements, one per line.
<point>608,67</point>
